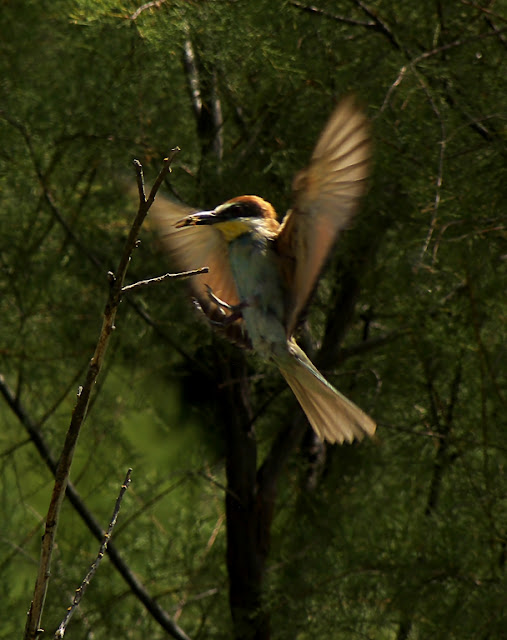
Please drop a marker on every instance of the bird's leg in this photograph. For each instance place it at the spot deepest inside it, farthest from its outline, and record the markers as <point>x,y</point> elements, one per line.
<point>234,309</point>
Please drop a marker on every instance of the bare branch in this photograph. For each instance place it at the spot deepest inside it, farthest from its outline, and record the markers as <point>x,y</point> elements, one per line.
<point>158,279</point>
<point>60,632</point>
<point>161,176</point>
<point>138,168</point>
<point>32,629</point>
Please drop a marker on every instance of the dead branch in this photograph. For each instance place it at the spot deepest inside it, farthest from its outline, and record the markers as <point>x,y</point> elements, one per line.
<point>60,632</point>
<point>158,279</point>
<point>32,629</point>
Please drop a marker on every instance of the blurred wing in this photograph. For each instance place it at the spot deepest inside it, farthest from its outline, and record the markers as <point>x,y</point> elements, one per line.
<point>196,247</point>
<point>325,197</point>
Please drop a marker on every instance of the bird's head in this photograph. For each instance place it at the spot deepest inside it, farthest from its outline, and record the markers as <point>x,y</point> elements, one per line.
<point>236,216</point>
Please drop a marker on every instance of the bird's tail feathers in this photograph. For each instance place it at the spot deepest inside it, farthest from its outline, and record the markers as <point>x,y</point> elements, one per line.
<point>333,416</point>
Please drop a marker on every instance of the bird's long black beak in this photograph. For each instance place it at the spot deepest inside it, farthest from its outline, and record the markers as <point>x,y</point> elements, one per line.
<point>201,217</point>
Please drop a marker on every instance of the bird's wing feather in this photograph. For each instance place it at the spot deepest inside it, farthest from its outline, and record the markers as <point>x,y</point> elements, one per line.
<point>325,197</point>
<point>194,247</point>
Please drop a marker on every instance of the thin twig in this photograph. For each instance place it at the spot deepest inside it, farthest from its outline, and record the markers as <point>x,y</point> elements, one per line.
<point>60,632</point>
<point>33,629</point>
<point>158,279</point>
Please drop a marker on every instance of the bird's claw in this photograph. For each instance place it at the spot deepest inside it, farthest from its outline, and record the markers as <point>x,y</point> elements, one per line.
<point>220,303</point>
<point>233,309</point>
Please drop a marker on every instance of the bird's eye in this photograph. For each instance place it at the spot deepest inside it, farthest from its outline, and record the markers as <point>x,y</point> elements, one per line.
<point>237,210</point>
<point>240,210</point>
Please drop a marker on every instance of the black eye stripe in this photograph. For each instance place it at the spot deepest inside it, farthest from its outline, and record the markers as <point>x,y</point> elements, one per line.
<point>240,210</point>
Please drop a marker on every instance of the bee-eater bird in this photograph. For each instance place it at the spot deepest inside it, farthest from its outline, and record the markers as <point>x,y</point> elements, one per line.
<point>262,273</point>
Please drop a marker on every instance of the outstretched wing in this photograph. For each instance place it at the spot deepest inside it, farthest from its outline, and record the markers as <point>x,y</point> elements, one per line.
<point>325,197</point>
<point>194,247</point>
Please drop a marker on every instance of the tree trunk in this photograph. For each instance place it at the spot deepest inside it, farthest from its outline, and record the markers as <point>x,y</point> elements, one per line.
<point>247,527</point>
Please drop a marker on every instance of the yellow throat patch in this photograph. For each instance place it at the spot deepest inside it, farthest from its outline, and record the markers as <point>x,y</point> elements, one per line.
<point>232,229</point>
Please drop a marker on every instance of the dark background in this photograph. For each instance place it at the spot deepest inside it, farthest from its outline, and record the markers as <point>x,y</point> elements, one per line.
<point>400,537</point>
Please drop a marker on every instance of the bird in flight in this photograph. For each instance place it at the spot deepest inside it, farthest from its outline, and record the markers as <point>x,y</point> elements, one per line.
<point>262,273</point>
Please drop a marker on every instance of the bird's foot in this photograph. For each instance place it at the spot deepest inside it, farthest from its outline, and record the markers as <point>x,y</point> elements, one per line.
<point>218,301</point>
<point>225,305</point>
<point>233,309</point>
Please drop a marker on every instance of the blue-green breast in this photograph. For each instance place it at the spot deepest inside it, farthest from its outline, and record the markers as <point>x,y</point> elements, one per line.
<point>255,270</point>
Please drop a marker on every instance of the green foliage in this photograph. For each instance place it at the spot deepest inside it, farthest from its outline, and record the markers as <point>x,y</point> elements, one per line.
<point>404,536</point>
